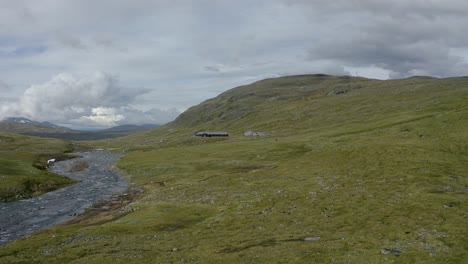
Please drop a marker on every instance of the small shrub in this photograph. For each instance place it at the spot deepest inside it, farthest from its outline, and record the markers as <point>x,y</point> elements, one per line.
<point>31,186</point>
<point>40,165</point>
<point>10,194</point>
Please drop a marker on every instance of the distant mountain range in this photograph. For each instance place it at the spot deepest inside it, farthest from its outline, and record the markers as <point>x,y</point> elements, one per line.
<point>22,120</point>
<point>21,125</point>
<point>127,128</point>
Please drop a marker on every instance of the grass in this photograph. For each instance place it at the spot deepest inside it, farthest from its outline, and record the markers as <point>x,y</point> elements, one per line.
<point>378,174</point>
<point>22,166</point>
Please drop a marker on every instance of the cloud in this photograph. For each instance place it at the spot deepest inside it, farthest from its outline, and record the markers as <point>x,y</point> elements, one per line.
<point>70,41</point>
<point>4,87</point>
<point>96,100</point>
<point>112,116</point>
<point>153,115</point>
<point>404,38</point>
<point>6,93</point>
<point>184,52</point>
<point>101,116</point>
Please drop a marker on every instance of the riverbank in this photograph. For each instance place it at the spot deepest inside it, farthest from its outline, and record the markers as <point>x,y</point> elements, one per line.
<point>96,182</point>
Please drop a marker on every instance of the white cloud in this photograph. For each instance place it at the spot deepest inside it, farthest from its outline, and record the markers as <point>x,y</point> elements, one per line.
<point>101,117</point>
<point>95,100</point>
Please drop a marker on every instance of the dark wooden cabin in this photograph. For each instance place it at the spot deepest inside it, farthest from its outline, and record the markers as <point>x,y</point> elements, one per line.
<point>211,134</point>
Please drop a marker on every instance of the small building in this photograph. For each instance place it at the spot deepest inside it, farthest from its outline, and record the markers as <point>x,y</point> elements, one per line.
<point>211,134</point>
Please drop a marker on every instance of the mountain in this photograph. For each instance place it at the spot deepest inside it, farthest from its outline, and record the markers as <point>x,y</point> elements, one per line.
<point>21,125</point>
<point>267,97</point>
<point>22,120</point>
<point>320,103</point>
<point>24,125</point>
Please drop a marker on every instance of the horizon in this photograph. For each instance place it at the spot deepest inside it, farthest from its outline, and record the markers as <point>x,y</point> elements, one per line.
<point>99,128</point>
<point>147,62</point>
<point>80,129</point>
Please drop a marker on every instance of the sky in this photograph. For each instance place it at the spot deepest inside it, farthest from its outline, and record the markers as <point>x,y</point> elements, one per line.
<point>97,64</point>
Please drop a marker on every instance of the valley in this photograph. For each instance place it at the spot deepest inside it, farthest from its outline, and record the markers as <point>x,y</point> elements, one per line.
<point>351,170</point>
<point>28,127</point>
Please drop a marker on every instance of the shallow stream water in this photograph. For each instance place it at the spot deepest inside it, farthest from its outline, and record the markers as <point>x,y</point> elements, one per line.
<point>19,218</point>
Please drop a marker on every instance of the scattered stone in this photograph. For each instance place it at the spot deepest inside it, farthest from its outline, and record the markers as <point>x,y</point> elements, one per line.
<point>163,140</point>
<point>174,249</point>
<point>386,251</point>
<point>445,189</point>
<point>312,239</point>
<point>172,228</point>
<point>105,207</point>
<point>338,92</point>
<point>47,252</point>
<point>341,92</point>
<point>427,246</point>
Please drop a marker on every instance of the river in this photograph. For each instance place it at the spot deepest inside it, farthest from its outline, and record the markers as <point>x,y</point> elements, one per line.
<point>98,181</point>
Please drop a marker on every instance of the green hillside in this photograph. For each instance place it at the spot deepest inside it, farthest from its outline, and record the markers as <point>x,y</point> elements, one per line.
<point>353,171</point>
<point>319,105</point>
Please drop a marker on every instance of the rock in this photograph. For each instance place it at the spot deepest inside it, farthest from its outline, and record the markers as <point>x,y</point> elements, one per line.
<point>250,134</point>
<point>386,251</point>
<point>163,140</point>
<point>312,239</point>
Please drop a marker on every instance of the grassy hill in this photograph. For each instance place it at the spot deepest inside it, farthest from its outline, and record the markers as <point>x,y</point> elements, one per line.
<point>354,171</point>
<point>317,105</point>
<point>22,166</point>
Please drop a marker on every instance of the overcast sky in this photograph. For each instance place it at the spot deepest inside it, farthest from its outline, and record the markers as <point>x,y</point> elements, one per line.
<point>88,63</point>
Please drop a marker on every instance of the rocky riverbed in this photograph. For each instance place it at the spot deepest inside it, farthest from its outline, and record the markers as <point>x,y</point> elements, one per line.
<point>98,181</point>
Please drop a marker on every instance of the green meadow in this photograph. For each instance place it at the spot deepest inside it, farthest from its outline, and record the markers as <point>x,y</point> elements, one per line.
<point>353,171</point>
<point>22,166</point>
